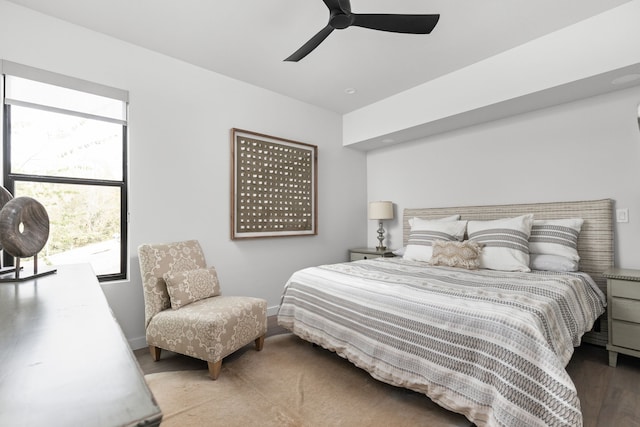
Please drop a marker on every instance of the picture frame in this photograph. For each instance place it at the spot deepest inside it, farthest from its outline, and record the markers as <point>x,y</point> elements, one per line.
<point>274,186</point>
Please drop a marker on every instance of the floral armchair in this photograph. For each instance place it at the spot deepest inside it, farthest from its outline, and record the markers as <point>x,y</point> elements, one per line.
<point>185,311</point>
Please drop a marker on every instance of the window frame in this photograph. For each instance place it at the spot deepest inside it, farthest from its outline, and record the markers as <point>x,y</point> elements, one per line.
<point>10,179</point>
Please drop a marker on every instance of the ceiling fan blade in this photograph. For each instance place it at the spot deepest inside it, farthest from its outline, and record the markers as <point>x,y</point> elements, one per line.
<point>345,5</point>
<point>412,24</point>
<point>333,4</point>
<point>311,44</point>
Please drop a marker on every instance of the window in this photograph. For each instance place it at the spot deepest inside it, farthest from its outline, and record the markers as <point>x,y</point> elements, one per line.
<point>65,145</point>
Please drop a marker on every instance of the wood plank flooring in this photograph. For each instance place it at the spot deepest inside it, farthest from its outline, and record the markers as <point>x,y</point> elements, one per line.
<point>610,397</point>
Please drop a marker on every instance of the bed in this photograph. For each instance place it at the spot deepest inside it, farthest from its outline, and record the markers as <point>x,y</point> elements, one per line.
<point>491,345</point>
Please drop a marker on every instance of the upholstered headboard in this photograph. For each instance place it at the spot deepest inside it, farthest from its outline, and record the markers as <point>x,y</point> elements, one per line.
<point>595,242</point>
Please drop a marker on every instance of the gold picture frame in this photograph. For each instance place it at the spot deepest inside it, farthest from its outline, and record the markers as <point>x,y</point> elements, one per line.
<point>274,186</point>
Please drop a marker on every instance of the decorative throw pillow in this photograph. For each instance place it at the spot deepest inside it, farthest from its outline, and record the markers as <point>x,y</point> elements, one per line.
<point>505,242</point>
<point>552,263</point>
<point>185,287</point>
<point>556,237</point>
<point>457,254</point>
<point>422,236</point>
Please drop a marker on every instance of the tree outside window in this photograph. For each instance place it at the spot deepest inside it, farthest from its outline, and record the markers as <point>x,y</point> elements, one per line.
<point>66,148</point>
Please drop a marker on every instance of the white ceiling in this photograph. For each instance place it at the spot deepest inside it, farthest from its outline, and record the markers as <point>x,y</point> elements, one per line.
<point>248,39</point>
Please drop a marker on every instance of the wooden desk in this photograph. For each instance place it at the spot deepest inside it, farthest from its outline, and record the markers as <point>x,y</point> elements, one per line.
<point>63,358</point>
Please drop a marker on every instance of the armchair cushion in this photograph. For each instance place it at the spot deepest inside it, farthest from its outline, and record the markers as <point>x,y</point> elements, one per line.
<point>209,329</point>
<point>186,287</point>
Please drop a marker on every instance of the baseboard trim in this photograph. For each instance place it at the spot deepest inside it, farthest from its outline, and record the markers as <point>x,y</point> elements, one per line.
<point>272,311</point>
<point>136,343</point>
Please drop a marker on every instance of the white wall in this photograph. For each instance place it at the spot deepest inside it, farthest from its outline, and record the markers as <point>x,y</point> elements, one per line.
<point>180,118</point>
<point>588,149</point>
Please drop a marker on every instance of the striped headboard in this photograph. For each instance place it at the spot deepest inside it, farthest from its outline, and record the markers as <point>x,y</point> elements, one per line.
<point>595,243</point>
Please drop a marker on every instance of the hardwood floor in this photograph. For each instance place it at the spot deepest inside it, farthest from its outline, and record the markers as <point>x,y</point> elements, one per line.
<point>609,396</point>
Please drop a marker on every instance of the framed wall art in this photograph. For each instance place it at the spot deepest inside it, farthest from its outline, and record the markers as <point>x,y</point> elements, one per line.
<point>273,186</point>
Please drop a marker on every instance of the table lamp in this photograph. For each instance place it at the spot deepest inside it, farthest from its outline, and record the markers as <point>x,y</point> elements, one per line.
<point>380,211</point>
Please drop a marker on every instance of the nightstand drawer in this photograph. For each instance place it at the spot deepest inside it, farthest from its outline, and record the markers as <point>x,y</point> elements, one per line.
<point>368,253</point>
<point>623,298</point>
<point>625,309</point>
<point>357,256</point>
<point>625,289</point>
<point>625,334</point>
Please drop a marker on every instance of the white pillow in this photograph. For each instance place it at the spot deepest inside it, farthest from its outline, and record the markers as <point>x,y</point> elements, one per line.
<point>423,234</point>
<point>399,252</point>
<point>417,222</point>
<point>552,263</point>
<point>506,242</point>
<point>556,237</point>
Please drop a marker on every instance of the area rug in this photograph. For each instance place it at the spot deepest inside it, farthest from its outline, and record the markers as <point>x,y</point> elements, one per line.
<point>290,384</point>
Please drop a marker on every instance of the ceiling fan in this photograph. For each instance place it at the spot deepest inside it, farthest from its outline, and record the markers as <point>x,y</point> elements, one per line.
<point>340,17</point>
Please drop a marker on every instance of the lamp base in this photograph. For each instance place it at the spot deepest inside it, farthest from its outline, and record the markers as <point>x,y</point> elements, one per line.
<point>380,246</point>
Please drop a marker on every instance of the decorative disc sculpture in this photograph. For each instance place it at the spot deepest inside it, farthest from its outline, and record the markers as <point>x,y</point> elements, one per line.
<point>24,230</point>
<point>5,196</point>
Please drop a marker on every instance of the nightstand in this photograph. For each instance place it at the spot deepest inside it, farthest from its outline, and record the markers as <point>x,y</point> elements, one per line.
<point>623,307</point>
<point>369,253</point>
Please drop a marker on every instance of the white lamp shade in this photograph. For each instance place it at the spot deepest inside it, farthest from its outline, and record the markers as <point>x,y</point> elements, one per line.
<point>380,210</point>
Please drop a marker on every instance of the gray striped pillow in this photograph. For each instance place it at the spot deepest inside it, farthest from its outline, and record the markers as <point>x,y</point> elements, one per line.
<point>556,237</point>
<point>421,238</point>
<point>505,242</point>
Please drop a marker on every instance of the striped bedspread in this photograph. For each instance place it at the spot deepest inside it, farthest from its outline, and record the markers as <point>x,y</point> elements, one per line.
<point>492,346</point>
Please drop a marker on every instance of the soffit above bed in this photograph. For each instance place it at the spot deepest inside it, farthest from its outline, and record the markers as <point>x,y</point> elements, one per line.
<point>592,57</point>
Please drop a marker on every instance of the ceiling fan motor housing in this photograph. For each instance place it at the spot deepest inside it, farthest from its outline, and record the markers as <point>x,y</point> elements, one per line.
<point>340,20</point>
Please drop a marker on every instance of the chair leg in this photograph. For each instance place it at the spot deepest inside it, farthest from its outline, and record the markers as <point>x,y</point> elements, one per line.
<point>155,352</point>
<point>259,343</point>
<point>214,369</point>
